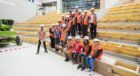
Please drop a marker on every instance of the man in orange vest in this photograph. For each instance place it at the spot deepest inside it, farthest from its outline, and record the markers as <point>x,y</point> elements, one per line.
<point>69,26</point>
<point>42,39</point>
<point>63,19</point>
<point>93,23</point>
<point>79,22</point>
<point>77,49</point>
<point>95,55</point>
<point>85,23</point>
<point>70,14</point>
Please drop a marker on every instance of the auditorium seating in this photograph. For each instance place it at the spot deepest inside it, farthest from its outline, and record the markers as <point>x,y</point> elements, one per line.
<point>122,23</point>
<point>126,13</point>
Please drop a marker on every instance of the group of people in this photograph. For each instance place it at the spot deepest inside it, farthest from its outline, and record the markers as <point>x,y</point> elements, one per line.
<point>83,52</point>
<point>68,33</point>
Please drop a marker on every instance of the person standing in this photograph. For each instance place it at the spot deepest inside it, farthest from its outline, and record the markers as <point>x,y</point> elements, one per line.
<point>93,24</point>
<point>51,31</point>
<point>79,22</point>
<point>85,24</point>
<point>42,39</point>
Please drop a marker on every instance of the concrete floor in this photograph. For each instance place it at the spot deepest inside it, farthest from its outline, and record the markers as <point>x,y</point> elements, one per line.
<point>22,61</point>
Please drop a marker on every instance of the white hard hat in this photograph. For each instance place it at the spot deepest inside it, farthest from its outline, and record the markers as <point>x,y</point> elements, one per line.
<point>92,9</point>
<point>78,37</point>
<point>69,37</point>
<point>67,16</point>
<point>96,40</point>
<point>41,25</point>
<point>86,38</point>
<point>63,25</point>
<point>85,10</point>
<point>76,6</point>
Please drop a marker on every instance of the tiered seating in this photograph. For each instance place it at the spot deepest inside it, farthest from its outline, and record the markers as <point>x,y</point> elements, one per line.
<point>125,20</point>
<point>127,13</point>
<point>29,30</point>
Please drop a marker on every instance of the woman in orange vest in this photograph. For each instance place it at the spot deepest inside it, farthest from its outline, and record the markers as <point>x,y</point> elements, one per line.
<point>85,23</point>
<point>68,52</point>
<point>85,53</point>
<point>79,22</point>
<point>51,31</point>
<point>63,35</point>
<point>42,39</point>
<point>93,24</point>
<point>95,55</point>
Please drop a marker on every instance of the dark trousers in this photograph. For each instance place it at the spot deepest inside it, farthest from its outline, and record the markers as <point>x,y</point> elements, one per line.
<point>39,44</point>
<point>73,27</point>
<point>93,30</point>
<point>79,28</point>
<point>52,42</point>
<point>85,30</point>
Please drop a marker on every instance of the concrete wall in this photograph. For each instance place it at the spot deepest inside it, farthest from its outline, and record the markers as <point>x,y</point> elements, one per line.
<point>22,11</point>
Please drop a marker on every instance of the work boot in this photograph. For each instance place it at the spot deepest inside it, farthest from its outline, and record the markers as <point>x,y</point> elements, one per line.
<point>37,53</point>
<point>46,51</point>
<point>83,68</point>
<point>79,66</point>
<point>66,59</point>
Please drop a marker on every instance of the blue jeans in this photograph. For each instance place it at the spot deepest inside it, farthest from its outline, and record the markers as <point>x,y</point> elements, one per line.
<point>90,63</point>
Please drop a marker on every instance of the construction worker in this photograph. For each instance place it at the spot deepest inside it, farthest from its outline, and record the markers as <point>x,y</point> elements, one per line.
<point>70,14</point>
<point>42,39</point>
<point>93,24</point>
<point>75,18</point>
<point>52,39</point>
<point>69,26</point>
<point>85,23</point>
<point>77,49</point>
<point>57,35</point>
<point>63,19</point>
<point>67,19</point>
<point>69,50</point>
<point>85,53</point>
<point>63,35</point>
<point>95,55</point>
<point>79,22</point>
<point>73,27</point>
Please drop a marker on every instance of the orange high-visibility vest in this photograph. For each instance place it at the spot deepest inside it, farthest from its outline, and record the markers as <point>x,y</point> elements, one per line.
<point>41,34</point>
<point>76,14</point>
<point>86,20</point>
<point>86,48</point>
<point>95,48</point>
<point>62,21</point>
<point>63,34</point>
<point>79,18</point>
<point>69,24</point>
<point>95,19</point>
<point>70,47</point>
